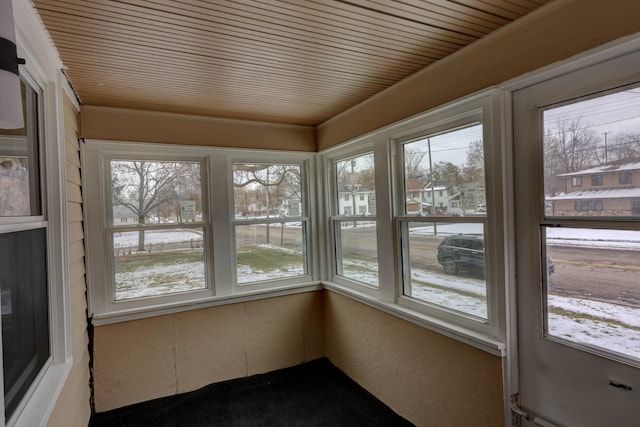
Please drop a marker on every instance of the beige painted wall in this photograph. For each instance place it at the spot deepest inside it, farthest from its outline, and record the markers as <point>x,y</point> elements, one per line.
<point>148,126</point>
<point>145,359</point>
<point>556,32</point>
<point>73,408</point>
<point>430,379</point>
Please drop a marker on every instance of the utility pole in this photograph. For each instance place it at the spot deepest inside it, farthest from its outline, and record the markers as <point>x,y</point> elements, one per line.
<point>606,160</point>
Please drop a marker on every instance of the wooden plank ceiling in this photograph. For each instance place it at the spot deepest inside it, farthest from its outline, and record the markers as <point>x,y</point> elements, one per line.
<point>285,61</point>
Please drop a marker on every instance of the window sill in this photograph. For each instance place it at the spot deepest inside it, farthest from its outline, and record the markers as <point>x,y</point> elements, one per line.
<point>100,319</point>
<point>459,333</point>
<point>456,332</point>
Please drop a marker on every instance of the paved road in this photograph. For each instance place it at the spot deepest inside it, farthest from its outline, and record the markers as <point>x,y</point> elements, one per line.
<point>601,274</point>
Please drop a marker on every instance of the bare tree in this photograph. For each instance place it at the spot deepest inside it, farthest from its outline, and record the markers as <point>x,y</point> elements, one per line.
<point>273,183</point>
<point>474,167</point>
<point>568,147</point>
<point>144,186</point>
<point>416,166</point>
<point>624,146</point>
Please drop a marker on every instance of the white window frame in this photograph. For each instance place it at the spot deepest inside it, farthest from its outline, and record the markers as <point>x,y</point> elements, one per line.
<point>465,115</point>
<point>307,170</point>
<point>42,72</point>
<point>97,157</point>
<point>334,216</point>
<point>489,334</point>
<point>218,206</point>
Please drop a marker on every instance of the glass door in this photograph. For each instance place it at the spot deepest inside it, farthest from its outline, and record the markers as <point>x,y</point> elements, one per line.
<point>577,186</point>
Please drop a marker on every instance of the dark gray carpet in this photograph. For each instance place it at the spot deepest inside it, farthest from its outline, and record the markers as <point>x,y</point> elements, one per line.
<point>315,393</point>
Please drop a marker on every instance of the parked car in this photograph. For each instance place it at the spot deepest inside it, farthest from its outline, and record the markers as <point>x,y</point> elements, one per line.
<point>461,252</point>
<point>466,252</point>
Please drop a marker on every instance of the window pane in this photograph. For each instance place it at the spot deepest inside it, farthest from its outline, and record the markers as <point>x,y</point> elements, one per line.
<point>270,251</point>
<point>447,266</point>
<point>355,182</point>
<point>593,294</point>
<point>19,163</point>
<point>158,262</point>
<point>357,258</point>
<point>25,311</point>
<point>444,174</point>
<point>591,157</point>
<point>152,192</point>
<point>267,190</point>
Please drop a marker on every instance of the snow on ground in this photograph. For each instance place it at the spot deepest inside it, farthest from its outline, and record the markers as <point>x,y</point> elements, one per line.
<point>126,239</point>
<point>610,239</point>
<point>622,335</point>
<point>160,280</point>
<point>248,275</point>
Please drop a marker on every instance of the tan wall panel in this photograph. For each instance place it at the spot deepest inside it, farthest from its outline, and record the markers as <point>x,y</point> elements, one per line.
<point>428,378</point>
<point>134,361</point>
<point>145,126</point>
<point>143,359</point>
<point>275,333</point>
<point>556,32</point>
<point>210,346</point>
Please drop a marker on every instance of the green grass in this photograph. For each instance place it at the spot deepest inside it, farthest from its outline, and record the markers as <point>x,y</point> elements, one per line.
<point>259,258</point>
<point>145,260</point>
<point>254,257</point>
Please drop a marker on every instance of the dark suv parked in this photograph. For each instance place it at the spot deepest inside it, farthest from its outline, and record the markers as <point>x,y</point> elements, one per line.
<point>461,252</point>
<point>466,252</point>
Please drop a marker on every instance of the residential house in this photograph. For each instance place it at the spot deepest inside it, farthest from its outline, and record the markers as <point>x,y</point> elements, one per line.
<point>432,366</point>
<point>439,198</point>
<point>356,200</point>
<point>605,190</point>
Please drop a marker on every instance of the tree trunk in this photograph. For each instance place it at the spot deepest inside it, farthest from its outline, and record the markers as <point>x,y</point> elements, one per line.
<point>141,220</point>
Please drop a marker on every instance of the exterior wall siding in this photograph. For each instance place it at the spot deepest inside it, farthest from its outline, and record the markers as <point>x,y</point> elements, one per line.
<point>610,207</point>
<point>73,406</point>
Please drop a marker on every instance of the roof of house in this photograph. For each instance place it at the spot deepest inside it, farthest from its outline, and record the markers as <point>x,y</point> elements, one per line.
<point>613,193</point>
<point>604,168</point>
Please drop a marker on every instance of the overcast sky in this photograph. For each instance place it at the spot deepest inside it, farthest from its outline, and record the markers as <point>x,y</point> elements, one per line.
<point>614,113</point>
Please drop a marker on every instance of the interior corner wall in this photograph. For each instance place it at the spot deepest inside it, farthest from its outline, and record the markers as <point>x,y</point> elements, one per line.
<point>555,32</point>
<point>73,408</point>
<point>430,379</point>
<point>160,356</point>
<point>120,124</point>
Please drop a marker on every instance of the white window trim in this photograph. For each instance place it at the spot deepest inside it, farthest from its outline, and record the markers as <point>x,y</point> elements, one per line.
<point>489,335</point>
<point>223,289</point>
<point>332,203</point>
<point>307,169</point>
<point>42,67</point>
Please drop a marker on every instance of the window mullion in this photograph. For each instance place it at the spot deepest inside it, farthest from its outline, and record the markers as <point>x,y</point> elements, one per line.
<point>384,221</point>
<point>222,242</point>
